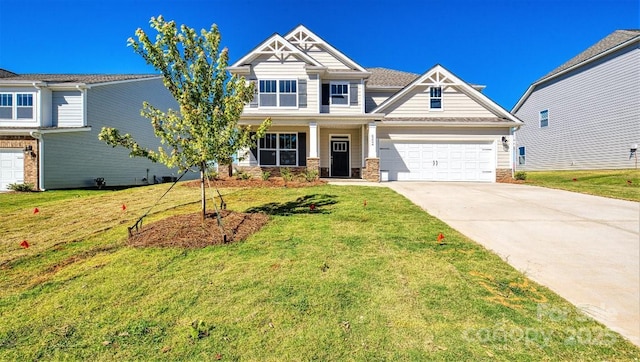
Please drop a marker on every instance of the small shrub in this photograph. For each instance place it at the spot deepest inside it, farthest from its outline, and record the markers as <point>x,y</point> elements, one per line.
<point>242,175</point>
<point>25,187</point>
<point>265,175</point>
<point>520,175</point>
<point>286,174</point>
<point>310,175</point>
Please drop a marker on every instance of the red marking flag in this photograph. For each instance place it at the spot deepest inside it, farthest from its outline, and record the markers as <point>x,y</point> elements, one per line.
<point>312,207</point>
<point>124,207</point>
<point>440,238</point>
<point>35,211</point>
<point>24,244</point>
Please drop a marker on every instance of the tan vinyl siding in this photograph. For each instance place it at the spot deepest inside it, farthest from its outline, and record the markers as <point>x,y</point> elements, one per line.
<point>271,68</point>
<point>76,159</point>
<point>374,99</point>
<point>594,117</point>
<point>454,104</point>
<point>67,109</point>
<point>326,59</point>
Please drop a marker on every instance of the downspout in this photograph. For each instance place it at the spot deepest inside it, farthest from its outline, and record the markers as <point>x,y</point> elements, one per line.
<point>37,135</point>
<point>514,151</point>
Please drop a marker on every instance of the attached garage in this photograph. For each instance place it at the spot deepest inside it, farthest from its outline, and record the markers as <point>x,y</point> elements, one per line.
<point>438,161</point>
<point>11,167</point>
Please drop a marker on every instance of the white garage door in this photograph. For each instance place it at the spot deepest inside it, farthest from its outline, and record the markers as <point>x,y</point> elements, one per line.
<point>11,167</point>
<point>436,161</point>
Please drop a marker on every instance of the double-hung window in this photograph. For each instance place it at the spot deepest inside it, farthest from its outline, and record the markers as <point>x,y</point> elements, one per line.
<point>544,118</point>
<point>16,105</point>
<point>339,93</point>
<point>278,149</point>
<point>278,93</point>
<point>435,98</point>
<point>521,155</point>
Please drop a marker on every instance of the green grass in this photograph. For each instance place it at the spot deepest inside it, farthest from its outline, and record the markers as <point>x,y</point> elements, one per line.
<point>607,183</point>
<point>345,282</point>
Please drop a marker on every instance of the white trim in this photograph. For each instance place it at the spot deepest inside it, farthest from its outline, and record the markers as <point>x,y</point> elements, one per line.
<point>277,149</point>
<point>540,118</point>
<point>14,120</point>
<point>348,138</point>
<point>441,109</point>
<point>313,140</point>
<point>277,93</point>
<point>294,50</point>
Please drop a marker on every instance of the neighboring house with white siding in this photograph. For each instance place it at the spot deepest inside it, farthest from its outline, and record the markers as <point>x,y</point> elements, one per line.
<point>584,114</point>
<point>332,115</point>
<point>49,125</point>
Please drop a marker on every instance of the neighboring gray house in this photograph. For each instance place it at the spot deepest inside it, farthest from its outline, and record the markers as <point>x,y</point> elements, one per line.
<point>585,114</point>
<point>49,125</point>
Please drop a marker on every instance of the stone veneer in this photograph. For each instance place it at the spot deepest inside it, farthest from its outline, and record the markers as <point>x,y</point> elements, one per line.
<point>313,164</point>
<point>371,169</point>
<point>30,161</point>
<point>503,174</point>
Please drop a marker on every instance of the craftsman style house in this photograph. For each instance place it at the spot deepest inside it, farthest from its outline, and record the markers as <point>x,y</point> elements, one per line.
<point>49,127</point>
<point>332,115</point>
<point>584,114</point>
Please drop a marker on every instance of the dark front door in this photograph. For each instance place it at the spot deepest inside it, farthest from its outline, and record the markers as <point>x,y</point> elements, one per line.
<point>340,158</point>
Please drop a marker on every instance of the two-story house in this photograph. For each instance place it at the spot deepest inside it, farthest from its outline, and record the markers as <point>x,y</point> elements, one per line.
<point>332,115</point>
<point>585,114</point>
<point>49,125</point>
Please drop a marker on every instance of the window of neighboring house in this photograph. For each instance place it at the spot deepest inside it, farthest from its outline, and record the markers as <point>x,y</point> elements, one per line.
<point>435,98</point>
<point>278,149</point>
<point>339,93</point>
<point>521,155</point>
<point>6,106</point>
<point>24,106</point>
<point>282,93</point>
<point>544,118</point>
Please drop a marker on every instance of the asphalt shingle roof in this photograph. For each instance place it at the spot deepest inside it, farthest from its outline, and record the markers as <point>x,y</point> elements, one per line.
<point>610,41</point>
<point>383,77</point>
<point>77,78</point>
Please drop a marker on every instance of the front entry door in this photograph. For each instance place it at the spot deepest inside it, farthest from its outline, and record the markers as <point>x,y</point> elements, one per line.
<point>340,158</point>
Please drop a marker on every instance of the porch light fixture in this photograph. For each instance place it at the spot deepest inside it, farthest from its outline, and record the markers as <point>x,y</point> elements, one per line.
<point>28,150</point>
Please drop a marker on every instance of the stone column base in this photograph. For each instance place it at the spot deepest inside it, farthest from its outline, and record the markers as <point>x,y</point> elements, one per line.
<point>313,164</point>
<point>371,169</point>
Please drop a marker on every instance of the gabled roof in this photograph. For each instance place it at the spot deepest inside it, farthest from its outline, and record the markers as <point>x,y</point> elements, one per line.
<point>278,46</point>
<point>74,78</point>
<point>440,76</point>
<point>301,36</point>
<point>609,44</point>
<point>5,73</point>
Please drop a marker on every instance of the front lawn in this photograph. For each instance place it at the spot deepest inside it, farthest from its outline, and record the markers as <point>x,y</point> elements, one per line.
<point>618,184</point>
<point>350,280</point>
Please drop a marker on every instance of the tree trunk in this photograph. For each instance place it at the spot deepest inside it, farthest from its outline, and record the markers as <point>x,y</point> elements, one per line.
<point>203,169</point>
<point>230,169</point>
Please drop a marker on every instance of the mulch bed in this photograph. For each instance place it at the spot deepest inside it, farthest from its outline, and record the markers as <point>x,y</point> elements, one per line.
<point>253,183</point>
<point>188,231</point>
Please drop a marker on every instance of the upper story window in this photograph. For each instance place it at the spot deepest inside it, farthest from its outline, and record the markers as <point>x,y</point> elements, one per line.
<point>435,98</point>
<point>16,105</point>
<point>544,118</point>
<point>339,93</point>
<point>278,93</point>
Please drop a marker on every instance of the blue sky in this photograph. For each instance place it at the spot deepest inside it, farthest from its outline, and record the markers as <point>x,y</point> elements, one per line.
<point>503,44</point>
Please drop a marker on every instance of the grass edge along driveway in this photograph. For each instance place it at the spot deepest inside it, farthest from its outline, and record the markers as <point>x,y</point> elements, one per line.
<point>348,281</point>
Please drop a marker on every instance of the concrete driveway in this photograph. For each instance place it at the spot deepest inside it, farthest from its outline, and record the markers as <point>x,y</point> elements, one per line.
<point>585,248</point>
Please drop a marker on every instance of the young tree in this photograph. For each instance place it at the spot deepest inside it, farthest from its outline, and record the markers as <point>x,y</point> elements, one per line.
<point>205,129</point>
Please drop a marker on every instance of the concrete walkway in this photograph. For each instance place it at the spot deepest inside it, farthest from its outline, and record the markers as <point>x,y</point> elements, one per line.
<point>585,248</point>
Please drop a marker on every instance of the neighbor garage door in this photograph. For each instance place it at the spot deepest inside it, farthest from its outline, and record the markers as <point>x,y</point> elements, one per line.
<point>11,167</point>
<point>437,161</point>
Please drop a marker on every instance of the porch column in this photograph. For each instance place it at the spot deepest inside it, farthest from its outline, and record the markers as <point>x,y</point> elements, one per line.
<point>313,162</point>
<point>372,141</point>
<point>313,140</point>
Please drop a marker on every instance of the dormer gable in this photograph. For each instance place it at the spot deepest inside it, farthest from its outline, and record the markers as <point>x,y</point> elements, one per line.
<point>314,46</point>
<point>442,79</point>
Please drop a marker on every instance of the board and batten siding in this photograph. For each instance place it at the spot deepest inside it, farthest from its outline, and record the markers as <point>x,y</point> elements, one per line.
<point>76,159</point>
<point>594,117</point>
<point>454,104</point>
<point>67,109</point>
<point>454,135</point>
<point>273,69</point>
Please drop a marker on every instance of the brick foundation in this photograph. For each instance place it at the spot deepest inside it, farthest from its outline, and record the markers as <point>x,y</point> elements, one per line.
<point>30,160</point>
<point>503,174</point>
<point>371,170</point>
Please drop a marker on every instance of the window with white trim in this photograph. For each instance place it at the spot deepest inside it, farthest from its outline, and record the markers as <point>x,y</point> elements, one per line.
<point>278,149</point>
<point>435,98</point>
<point>339,93</point>
<point>521,155</point>
<point>544,118</point>
<point>278,93</point>
<point>16,106</point>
